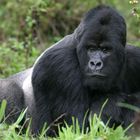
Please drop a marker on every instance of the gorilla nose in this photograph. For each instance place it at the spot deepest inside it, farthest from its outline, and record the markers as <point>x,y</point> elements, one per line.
<point>95,64</point>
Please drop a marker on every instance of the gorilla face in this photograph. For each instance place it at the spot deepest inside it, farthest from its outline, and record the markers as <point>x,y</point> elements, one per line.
<point>102,47</point>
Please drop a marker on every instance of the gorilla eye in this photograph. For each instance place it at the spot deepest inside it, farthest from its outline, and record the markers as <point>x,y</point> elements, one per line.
<point>92,49</point>
<point>105,49</point>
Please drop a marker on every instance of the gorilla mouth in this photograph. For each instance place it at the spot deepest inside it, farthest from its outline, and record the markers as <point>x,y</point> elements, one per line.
<point>96,74</point>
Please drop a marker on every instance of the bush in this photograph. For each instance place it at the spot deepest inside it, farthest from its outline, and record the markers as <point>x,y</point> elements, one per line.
<point>28,27</point>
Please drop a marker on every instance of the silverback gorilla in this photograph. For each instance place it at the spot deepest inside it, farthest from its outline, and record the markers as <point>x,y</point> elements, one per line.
<point>78,74</point>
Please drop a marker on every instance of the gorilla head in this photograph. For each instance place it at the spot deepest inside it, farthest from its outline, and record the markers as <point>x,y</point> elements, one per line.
<point>101,47</point>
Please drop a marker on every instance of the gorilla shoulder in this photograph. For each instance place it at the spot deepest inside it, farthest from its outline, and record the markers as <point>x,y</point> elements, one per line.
<point>132,75</point>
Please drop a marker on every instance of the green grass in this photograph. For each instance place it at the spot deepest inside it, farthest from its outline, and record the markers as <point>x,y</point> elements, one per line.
<point>99,130</point>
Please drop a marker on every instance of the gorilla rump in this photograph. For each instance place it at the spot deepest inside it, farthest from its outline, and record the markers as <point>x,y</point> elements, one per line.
<point>79,73</point>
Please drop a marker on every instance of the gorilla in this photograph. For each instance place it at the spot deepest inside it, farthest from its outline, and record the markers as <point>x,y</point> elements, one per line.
<point>84,69</point>
<point>76,75</point>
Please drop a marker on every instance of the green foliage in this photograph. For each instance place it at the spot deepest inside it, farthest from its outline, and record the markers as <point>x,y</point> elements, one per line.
<point>2,109</point>
<point>135,21</point>
<point>16,56</point>
<point>99,131</point>
<point>27,27</point>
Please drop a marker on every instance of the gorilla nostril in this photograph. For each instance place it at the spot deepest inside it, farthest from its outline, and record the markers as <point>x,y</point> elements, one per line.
<point>98,64</point>
<point>92,63</point>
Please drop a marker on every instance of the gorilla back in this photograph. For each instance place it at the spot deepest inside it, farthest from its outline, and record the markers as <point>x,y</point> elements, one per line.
<point>12,90</point>
<point>84,69</point>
